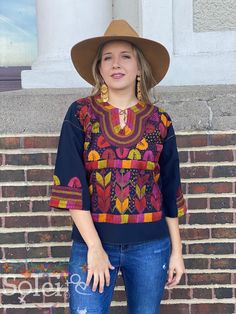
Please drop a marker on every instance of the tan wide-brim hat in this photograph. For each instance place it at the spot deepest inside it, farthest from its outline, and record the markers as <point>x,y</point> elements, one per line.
<point>84,52</point>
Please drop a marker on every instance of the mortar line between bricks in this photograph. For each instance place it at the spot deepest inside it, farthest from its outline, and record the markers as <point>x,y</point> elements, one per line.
<point>56,134</point>
<point>49,183</point>
<point>44,150</point>
<point>24,167</point>
<point>52,213</point>
<point>122,288</point>
<point>205,148</point>
<point>42,229</point>
<point>56,244</point>
<point>46,198</point>
<point>182,165</point>
<point>116,303</point>
<point>65,260</point>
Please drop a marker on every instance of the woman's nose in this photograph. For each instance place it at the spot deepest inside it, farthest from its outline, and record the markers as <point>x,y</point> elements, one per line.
<point>115,64</point>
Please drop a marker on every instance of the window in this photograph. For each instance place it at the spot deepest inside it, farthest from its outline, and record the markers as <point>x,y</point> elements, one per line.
<point>18,40</point>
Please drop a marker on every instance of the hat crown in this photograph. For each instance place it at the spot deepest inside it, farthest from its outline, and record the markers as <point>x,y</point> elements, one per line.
<point>120,28</point>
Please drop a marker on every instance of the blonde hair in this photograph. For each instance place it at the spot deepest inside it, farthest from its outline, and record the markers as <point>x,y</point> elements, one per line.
<point>147,79</point>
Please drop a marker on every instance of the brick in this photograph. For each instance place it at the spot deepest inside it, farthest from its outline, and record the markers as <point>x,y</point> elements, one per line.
<point>216,308</point>
<point>15,298</point>
<point>211,156</point>
<point>234,202</point>
<point>41,142</point>
<point>53,158</point>
<point>233,281</point>
<point>197,203</point>
<point>184,187</point>
<point>15,268</point>
<point>211,248</point>
<point>202,293</point>
<point>195,172</point>
<point>118,310</point>
<point>208,279</point>
<point>219,202</point>
<point>211,187</point>
<point>19,206</point>
<point>61,221</point>
<point>24,191</point>
<point>191,140</point>
<point>3,207</point>
<point>194,234</point>
<point>224,171</point>
<point>25,282</point>
<point>223,263</point>
<point>210,218</point>
<point>15,253</point>
<point>39,175</point>
<point>9,142</point>
<point>31,221</point>
<point>27,159</point>
<point>224,233</point>
<point>165,296</point>
<point>180,293</point>
<point>222,139</point>
<point>222,293</point>
<point>60,251</point>
<point>39,206</point>
<point>196,263</point>
<point>57,268</point>
<point>56,296</point>
<point>183,156</point>
<point>11,238</point>
<point>49,236</point>
<point>12,175</point>
<point>174,308</point>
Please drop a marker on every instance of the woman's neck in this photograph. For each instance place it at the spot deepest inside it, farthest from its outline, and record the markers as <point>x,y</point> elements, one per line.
<point>122,100</point>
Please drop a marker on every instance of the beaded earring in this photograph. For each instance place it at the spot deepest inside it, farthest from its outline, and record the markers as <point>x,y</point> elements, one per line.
<point>139,94</point>
<point>104,92</point>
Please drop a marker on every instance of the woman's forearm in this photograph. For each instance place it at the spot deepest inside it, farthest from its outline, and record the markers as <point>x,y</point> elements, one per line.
<point>84,222</point>
<point>173,225</point>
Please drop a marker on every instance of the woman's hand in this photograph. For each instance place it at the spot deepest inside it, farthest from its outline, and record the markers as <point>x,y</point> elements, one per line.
<point>98,267</point>
<point>176,265</point>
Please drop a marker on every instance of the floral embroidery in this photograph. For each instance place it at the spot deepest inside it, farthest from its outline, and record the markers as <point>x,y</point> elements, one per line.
<point>121,166</point>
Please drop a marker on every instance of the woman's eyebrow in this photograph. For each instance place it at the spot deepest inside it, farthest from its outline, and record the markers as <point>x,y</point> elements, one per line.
<point>125,51</point>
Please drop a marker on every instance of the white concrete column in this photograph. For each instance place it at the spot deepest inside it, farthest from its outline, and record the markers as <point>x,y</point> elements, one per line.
<point>61,24</point>
<point>197,57</point>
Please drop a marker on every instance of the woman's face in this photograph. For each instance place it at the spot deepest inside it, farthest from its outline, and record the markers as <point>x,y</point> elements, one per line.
<point>119,67</point>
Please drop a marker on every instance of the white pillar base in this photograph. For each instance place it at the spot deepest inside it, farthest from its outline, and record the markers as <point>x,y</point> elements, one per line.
<point>61,24</point>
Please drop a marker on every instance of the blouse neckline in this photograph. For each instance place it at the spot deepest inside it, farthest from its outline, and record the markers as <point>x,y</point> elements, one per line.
<point>110,121</point>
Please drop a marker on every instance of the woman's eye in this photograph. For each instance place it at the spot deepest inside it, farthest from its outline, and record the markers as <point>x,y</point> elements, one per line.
<point>126,56</point>
<point>106,58</point>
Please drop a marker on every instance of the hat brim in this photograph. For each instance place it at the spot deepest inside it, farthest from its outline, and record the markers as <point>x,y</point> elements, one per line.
<point>84,52</point>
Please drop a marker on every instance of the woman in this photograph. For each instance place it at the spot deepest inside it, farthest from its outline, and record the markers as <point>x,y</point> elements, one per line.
<point>117,172</point>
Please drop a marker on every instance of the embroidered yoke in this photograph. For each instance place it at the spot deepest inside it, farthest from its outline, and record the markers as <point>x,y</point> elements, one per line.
<point>127,177</point>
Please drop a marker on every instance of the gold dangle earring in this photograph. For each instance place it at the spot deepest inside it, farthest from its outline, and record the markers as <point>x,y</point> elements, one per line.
<point>104,92</point>
<point>139,94</point>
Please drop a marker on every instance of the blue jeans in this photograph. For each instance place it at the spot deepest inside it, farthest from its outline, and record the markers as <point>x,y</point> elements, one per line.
<point>143,267</point>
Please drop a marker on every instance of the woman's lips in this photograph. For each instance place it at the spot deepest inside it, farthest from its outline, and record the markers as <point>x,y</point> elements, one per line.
<point>117,75</point>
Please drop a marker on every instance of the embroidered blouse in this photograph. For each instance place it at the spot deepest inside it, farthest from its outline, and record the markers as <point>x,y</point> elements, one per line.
<point>128,178</point>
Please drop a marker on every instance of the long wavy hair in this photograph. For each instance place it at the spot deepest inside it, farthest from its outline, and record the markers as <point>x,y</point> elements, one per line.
<point>146,82</point>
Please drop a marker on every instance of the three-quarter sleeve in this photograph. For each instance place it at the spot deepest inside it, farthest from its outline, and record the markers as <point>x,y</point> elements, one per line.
<point>172,196</point>
<point>70,188</point>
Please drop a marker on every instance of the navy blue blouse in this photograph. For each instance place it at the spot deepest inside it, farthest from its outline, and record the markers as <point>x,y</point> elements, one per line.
<point>128,178</point>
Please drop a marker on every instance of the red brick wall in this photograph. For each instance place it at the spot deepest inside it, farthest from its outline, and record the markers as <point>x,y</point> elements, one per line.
<point>35,239</point>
